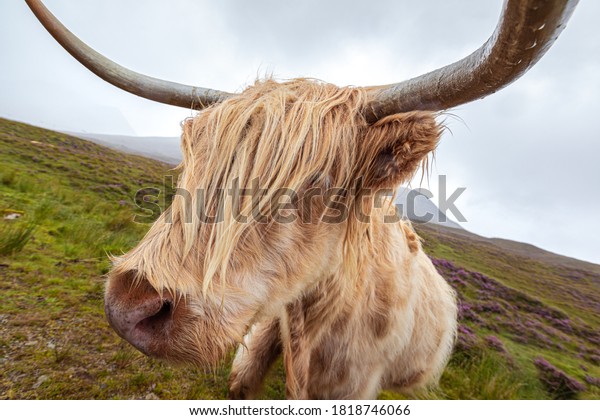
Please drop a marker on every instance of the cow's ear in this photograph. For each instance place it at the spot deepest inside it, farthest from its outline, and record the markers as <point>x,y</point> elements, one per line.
<point>395,146</point>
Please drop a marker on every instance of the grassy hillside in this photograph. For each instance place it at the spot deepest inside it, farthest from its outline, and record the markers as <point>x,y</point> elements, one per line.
<point>529,321</point>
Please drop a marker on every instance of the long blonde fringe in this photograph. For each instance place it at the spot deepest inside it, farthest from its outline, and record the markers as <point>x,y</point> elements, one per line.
<point>282,134</point>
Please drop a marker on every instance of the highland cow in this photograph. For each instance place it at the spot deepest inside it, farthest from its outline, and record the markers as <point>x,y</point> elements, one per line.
<point>321,291</point>
<point>312,264</point>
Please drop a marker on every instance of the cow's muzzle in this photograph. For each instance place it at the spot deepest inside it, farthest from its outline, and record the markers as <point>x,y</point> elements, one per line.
<point>140,315</point>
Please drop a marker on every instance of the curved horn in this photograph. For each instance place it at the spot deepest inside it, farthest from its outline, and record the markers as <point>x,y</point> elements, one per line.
<point>526,30</point>
<point>139,84</point>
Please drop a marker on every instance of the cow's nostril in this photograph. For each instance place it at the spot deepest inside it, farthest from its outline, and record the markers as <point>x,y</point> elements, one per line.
<point>140,314</point>
<point>159,321</point>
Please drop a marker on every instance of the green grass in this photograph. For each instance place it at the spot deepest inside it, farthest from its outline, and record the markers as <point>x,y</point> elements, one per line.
<point>14,238</point>
<point>77,205</point>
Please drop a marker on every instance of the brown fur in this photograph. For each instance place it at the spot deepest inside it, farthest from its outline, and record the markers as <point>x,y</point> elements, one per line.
<point>354,306</point>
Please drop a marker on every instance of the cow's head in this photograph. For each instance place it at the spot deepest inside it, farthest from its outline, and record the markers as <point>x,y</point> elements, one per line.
<point>272,182</point>
<point>304,158</point>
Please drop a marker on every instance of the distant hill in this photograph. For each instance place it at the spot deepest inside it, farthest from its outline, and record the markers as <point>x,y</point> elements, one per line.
<point>529,319</point>
<point>521,250</point>
<point>420,209</point>
<point>166,149</point>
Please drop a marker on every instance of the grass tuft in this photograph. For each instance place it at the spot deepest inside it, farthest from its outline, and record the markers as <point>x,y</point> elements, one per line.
<point>14,237</point>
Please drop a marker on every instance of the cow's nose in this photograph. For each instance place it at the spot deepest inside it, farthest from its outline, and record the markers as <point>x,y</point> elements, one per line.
<point>138,313</point>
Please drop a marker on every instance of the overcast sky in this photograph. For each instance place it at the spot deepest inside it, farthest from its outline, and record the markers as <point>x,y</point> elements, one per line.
<point>528,155</point>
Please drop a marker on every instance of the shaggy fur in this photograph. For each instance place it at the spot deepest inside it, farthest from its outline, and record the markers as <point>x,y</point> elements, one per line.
<point>355,306</point>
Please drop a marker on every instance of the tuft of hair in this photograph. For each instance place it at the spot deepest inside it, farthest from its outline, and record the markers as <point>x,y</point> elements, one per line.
<point>289,135</point>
